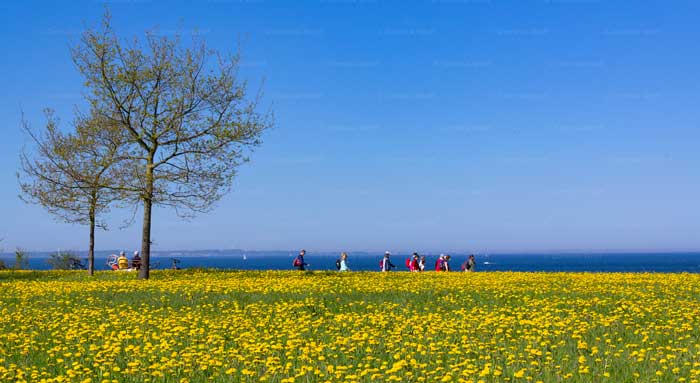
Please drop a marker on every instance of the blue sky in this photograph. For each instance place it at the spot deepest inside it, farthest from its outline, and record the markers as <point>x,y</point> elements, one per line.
<point>440,125</point>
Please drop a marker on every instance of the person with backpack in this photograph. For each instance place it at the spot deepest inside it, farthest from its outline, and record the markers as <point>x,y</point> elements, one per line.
<point>385,264</point>
<point>342,263</point>
<point>299,262</point>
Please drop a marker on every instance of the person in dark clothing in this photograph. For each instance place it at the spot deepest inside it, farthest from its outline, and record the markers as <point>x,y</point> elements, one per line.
<point>386,264</point>
<point>471,264</point>
<point>299,262</point>
<point>136,261</point>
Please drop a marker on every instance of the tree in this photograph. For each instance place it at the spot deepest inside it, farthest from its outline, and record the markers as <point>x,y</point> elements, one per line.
<point>65,260</point>
<point>21,259</point>
<point>75,175</point>
<point>2,263</point>
<point>188,117</point>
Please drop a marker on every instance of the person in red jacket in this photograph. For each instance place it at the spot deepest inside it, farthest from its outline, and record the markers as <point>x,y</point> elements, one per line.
<point>413,265</point>
<point>439,262</point>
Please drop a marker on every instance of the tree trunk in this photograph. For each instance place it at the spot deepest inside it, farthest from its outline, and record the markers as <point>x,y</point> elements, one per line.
<point>146,233</point>
<point>91,248</point>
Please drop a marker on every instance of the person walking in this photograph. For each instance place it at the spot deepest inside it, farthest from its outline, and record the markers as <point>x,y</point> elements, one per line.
<point>413,265</point>
<point>471,264</point>
<point>386,264</point>
<point>421,263</point>
<point>438,263</point>
<point>446,263</point>
<point>299,262</point>
<point>344,262</point>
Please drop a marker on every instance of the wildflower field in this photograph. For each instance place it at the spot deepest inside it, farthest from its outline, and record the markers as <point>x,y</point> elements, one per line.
<point>204,326</point>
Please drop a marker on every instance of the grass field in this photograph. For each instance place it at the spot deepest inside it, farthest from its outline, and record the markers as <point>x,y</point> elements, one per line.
<point>204,326</point>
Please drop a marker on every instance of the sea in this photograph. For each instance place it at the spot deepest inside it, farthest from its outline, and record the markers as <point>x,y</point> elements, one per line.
<point>688,262</point>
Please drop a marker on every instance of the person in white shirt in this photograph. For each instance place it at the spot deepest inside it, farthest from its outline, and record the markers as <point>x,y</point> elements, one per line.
<point>386,262</point>
<point>344,262</point>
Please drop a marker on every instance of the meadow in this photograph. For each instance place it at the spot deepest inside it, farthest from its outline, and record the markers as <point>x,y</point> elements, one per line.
<point>228,326</point>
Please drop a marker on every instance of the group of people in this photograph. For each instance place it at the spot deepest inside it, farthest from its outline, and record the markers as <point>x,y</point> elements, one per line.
<point>414,263</point>
<point>418,263</point>
<point>122,262</point>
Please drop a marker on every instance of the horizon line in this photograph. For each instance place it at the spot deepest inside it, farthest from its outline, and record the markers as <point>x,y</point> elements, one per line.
<point>398,252</point>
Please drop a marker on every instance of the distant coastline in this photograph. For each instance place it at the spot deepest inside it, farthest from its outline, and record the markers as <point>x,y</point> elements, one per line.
<point>666,262</point>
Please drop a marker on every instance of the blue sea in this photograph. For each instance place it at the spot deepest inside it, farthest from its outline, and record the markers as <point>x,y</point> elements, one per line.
<point>282,260</point>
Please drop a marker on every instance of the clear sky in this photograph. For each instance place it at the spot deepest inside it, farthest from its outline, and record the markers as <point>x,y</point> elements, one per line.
<point>441,125</point>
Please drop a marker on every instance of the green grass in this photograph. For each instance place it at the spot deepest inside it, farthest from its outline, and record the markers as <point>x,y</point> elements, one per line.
<point>208,325</point>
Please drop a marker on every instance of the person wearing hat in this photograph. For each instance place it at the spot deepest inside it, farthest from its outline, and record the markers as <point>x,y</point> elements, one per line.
<point>136,261</point>
<point>123,261</point>
<point>386,262</point>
